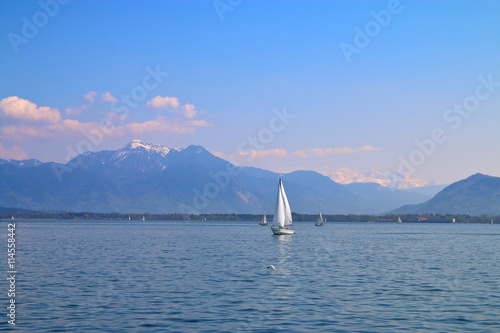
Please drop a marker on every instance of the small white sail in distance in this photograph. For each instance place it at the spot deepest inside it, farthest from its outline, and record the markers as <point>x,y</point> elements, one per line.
<point>264,220</point>
<point>320,219</point>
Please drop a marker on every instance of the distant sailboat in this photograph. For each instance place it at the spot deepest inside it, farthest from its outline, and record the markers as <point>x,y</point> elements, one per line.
<point>320,221</point>
<point>282,214</point>
<point>399,220</point>
<point>129,217</point>
<point>264,220</point>
<point>143,218</point>
<point>491,222</point>
<point>12,218</point>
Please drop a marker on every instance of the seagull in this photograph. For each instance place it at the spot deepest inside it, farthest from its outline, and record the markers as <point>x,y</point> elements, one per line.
<point>271,266</point>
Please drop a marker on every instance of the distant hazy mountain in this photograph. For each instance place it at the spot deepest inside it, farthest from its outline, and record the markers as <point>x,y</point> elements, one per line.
<point>477,195</point>
<point>386,179</point>
<point>382,196</point>
<point>22,164</point>
<point>142,177</point>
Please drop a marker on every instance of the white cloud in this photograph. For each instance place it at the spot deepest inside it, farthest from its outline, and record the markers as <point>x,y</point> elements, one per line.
<point>345,175</point>
<point>69,127</point>
<point>188,111</point>
<point>161,126</point>
<point>159,102</point>
<point>107,97</point>
<point>45,122</point>
<point>300,153</point>
<point>266,153</point>
<point>23,133</point>
<point>90,96</point>
<point>14,152</point>
<point>76,110</point>
<point>23,110</point>
<point>332,151</point>
<point>198,123</point>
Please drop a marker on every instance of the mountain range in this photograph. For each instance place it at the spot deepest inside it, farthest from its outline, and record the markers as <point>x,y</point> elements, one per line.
<point>143,177</point>
<point>386,179</point>
<point>476,195</point>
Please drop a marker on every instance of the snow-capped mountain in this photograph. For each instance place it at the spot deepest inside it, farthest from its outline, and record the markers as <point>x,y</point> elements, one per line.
<point>137,155</point>
<point>150,148</point>
<point>387,179</point>
<point>23,164</point>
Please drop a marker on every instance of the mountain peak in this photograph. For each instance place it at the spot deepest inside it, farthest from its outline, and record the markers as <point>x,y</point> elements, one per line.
<point>476,195</point>
<point>136,143</point>
<point>196,149</point>
<point>149,147</point>
<point>479,175</point>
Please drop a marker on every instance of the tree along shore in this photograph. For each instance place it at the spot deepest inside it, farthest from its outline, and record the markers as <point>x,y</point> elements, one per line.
<point>408,218</point>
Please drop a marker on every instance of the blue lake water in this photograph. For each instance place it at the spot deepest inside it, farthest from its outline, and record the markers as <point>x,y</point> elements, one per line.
<point>104,276</point>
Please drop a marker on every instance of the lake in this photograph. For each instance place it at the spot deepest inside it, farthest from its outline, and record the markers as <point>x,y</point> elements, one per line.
<point>121,276</point>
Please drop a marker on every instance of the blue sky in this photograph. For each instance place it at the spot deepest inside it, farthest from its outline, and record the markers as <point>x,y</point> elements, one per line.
<point>226,78</point>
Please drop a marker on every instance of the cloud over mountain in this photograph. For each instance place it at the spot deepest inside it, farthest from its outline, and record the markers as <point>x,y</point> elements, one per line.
<point>25,111</point>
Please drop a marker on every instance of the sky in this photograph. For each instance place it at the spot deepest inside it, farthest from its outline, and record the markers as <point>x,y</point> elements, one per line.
<point>408,87</point>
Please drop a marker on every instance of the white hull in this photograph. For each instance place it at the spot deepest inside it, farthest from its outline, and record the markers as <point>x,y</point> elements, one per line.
<point>282,231</point>
<point>319,224</point>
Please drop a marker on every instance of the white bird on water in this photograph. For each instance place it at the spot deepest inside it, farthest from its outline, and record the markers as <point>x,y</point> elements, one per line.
<point>271,266</point>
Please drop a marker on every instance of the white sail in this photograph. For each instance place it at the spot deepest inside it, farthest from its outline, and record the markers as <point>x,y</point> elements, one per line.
<point>264,220</point>
<point>279,208</point>
<point>282,214</point>
<point>288,212</point>
<point>320,220</point>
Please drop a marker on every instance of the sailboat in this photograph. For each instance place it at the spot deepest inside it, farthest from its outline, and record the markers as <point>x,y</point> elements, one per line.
<point>12,218</point>
<point>282,214</point>
<point>143,218</point>
<point>129,217</point>
<point>320,221</point>
<point>491,222</point>
<point>264,220</point>
<point>399,220</point>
